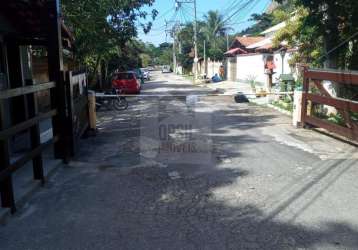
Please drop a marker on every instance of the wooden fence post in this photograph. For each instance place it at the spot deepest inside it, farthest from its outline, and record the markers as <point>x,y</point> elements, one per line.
<point>70,113</point>
<point>56,74</point>
<point>6,187</point>
<point>305,89</point>
<point>35,135</point>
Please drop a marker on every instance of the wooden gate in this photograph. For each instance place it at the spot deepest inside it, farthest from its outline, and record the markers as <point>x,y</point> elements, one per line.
<point>315,95</point>
<point>77,108</point>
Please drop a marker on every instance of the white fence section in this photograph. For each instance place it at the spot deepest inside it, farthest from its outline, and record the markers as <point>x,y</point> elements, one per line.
<point>213,68</point>
<point>231,68</point>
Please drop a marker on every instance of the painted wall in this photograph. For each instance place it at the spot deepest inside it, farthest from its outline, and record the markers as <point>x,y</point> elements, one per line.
<point>213,68</point>
<point>278,62</point>
<point>251,67</point>
<point>231,68</point>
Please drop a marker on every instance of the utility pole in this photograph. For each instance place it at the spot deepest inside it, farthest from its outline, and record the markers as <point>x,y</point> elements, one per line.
<point>196,59</point>
<point>174,34</point>
<point>227,41</point>
<point>205,69</point>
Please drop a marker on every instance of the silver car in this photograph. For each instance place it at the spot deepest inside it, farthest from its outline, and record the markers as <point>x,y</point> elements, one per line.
<point>145,73</point>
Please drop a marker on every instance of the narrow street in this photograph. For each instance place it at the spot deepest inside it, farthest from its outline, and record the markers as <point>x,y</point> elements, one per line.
<point>182,170</point>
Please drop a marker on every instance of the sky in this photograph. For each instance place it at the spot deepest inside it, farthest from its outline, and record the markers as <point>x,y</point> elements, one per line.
<point>228,8</point>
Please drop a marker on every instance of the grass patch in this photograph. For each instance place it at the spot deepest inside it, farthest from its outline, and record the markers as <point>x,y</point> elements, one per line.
<point>285,104</point>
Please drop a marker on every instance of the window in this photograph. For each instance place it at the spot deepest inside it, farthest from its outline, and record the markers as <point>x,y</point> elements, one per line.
<point>125,76</point>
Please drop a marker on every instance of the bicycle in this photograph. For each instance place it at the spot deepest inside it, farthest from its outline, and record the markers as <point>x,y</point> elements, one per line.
<point>112,100</point>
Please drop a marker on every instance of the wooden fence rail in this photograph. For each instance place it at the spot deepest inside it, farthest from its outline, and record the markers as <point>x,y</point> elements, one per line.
<point>32,125</point>
<point>69,114</point>
<point>344,107</point>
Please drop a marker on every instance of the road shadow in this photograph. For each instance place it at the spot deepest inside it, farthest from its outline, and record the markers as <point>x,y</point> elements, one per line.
<point>113,197</point>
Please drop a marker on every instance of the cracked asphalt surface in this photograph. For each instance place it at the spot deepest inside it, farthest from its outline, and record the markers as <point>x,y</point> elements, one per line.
<point>179,172</point>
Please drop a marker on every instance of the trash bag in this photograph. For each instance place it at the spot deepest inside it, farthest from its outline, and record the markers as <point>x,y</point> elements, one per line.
<point>216,78</point>
<point>241,98</point>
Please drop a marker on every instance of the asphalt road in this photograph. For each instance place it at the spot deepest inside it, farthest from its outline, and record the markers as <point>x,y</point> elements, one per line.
<point>182,170</point>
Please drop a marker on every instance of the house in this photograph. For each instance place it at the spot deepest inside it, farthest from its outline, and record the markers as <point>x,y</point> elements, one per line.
<point>257,59</point>
<point>241,45</point>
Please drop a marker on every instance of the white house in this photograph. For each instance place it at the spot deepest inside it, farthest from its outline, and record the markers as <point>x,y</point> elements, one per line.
<point>254,60</point>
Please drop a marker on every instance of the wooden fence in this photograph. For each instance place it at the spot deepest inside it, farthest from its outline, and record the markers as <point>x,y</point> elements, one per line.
<point>313,80</point>
<point>69,114</point>
<point>7,168</point>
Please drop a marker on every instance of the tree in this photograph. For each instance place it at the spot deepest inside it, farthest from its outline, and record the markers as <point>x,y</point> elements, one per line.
<point>328,33</point>
<point>145,60</point>
<point>102,28</point>
<point>212,30</point>
<point>215,28</point>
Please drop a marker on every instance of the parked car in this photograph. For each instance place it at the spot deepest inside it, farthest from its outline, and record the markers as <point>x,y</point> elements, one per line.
<point>151,68</point>
<point>127,82</point>
<point>166,69</point>
<point>145,73</point>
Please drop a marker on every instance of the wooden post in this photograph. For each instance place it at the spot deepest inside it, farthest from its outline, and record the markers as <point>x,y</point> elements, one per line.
<point>305,89</point>
<point>70,113</point>
<point>37,162</point>
<point>6,187</point>
<point>56,74</point>
<point>18,106</point>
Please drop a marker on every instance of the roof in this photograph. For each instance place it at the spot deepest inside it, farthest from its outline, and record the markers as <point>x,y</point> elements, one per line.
<point>274,28</point>
<point>265,47</point>
<point>233,51</point>
<point>248,40</point>
<point>261,43</point>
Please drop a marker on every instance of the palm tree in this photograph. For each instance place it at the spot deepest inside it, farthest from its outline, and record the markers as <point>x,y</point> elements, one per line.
<point>215,26</point>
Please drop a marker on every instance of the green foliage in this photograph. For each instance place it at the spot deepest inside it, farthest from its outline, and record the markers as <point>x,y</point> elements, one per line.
<point>285,104</point>
<point>145,60</point>
<point>325,33</point>
<point>212,29</point>
<point>267,20</point>
<point>263,22</point>
<point>104,29</point>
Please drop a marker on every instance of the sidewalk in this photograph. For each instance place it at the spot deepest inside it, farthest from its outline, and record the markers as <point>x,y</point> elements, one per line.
<point>230,87</point>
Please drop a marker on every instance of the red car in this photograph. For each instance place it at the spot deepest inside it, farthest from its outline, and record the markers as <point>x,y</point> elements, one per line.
<point>127,82</point>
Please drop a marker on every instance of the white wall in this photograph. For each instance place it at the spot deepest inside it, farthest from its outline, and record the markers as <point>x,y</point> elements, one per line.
<point>251,66</point>
<point>213,68</point>
<point>278,62</point>
<point>254,65</point>
<point>231,69</point>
